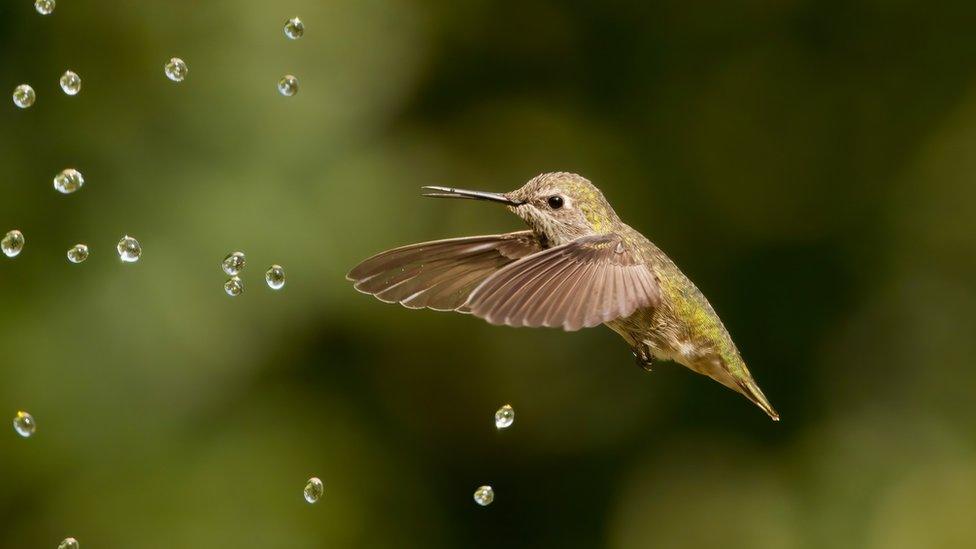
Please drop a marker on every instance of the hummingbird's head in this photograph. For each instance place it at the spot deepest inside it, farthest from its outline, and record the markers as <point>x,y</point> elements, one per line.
<point>561,206</point>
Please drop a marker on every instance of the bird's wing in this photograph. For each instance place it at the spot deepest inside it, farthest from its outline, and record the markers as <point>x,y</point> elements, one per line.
<point>581,284</point>
<point>440,275</point>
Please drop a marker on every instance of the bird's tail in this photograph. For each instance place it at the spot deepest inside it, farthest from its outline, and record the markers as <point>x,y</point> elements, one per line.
<point>731,371</point>
<point>751,390</point>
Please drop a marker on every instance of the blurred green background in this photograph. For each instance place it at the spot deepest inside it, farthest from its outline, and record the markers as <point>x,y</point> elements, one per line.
<point>808,163</point>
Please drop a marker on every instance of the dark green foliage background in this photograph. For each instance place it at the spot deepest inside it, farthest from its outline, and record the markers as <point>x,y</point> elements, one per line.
<point>809,164</point>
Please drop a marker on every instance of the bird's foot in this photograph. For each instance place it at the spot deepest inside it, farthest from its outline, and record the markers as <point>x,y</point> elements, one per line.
<point>644,359</point>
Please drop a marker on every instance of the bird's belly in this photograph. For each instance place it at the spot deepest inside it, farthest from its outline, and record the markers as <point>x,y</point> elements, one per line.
<point>652,329</point>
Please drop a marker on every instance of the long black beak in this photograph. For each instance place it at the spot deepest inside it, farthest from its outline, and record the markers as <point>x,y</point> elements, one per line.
<point>448,192</point>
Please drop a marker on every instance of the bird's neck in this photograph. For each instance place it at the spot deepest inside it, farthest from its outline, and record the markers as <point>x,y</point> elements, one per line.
<point>557,236</point>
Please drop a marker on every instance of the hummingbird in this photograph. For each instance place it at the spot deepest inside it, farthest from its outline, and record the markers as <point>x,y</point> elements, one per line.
<point>577,266</point>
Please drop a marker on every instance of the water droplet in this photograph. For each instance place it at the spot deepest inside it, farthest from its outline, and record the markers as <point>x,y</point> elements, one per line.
<point>504,417</point>
<point>288,85</point>
<point>294,28</point>
<point>233,264</point>
<point>69,543</point>
<point>44,7</point>
<point>484,495</point>
<point>313,490</point>
<point>12,243</point>
<point>78,253</point>
<point>70,83</point>
<point>24,424</point>
<point>129,249</point>
<point>24,96</point>
<point>275,277</point>
<point>176,69</point>
<point>69,181</point>
<point>234,286</point>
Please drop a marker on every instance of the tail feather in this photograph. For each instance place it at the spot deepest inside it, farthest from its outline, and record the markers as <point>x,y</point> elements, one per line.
<point>755,394</point>
<point>737,378</point>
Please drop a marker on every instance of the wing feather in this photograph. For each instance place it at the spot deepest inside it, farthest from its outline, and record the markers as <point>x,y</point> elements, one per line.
<point>442,274</point>
<point>560,295</point>
<point>531,286</point>
<point>589,281</point>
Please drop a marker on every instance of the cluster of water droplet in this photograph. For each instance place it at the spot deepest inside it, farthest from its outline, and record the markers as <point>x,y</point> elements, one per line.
<point>71,180</point>
<point>504,418</point>
<point>288,84</point>
<point>24,95</point>
<point>129,248</point>
<point>66,182</point>
<point>233,266</point>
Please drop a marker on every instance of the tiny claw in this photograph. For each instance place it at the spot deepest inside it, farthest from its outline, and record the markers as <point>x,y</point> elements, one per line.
<point>645,362</point>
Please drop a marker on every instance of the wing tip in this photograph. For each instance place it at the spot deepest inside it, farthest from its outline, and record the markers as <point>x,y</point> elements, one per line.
<point>359,273</point>
<point>358,283</point>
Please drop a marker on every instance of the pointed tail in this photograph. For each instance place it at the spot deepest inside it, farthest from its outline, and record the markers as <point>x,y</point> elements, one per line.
<point>754,393</point>
<point>731,371</point>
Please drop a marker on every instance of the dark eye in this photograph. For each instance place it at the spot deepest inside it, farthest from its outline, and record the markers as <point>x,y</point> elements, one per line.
<point>555,202</point>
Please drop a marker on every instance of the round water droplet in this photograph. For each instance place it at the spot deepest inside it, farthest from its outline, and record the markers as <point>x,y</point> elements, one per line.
<point>275,277</point>
<point>12,243</point>
<point>70,83</point>
<point>294,28</point>
<point>288,85</point>
<point>69,543</point>
<point>234,286</point>
<point>129,249</point>
<point>44,7</point>
<point>313,490</point>
<point>504,417</point>
<point>24,424</point>
<point>484,495</point>
<point>233,264</point>
<point>78,253</point>
<point>176,69</point>
<point>69,181</point>
<point>24,96</point>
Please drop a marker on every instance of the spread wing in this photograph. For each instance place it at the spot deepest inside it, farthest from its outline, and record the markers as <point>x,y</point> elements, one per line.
<point>584,283</point>
<point>440,275</point>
